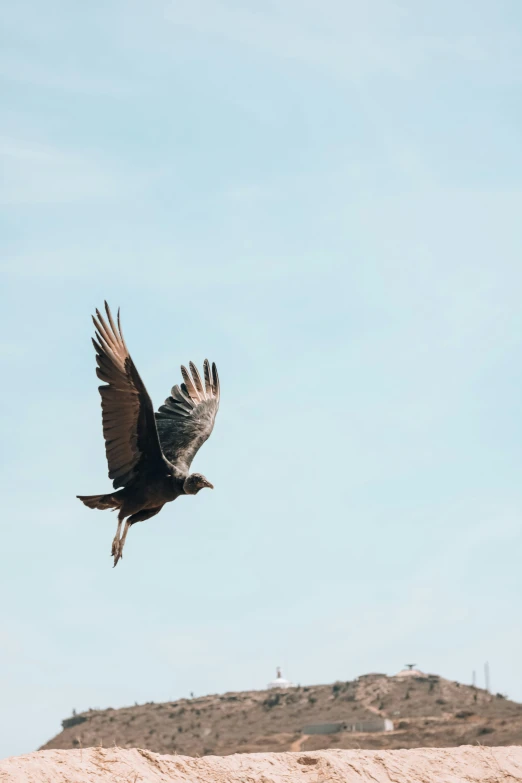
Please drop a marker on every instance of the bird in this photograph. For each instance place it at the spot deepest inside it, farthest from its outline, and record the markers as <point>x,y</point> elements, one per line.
<point>149,453</point>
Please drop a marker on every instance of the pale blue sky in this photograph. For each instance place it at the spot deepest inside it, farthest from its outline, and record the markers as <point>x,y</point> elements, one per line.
<point>324,198</point>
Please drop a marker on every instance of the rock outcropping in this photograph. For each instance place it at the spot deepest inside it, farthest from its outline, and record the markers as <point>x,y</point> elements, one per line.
<point>118,765</point>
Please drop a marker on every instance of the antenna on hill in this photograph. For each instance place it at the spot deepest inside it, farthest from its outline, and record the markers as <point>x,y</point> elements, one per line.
<point>474,678</point>
<point>410,666</point>
<point>486,675</point>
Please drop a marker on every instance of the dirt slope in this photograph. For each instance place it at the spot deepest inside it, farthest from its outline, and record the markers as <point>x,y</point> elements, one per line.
<point>427,712</point>
<point>115,765</point>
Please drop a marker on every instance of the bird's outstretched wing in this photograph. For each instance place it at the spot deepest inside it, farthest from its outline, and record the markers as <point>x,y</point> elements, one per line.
<point>187,417</point>
<point>129,427</point>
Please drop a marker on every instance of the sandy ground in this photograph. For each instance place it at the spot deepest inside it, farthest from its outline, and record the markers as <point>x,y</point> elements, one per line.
<point>117,765</point>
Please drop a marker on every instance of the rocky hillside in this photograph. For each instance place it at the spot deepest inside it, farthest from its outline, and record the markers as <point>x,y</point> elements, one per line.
<point>427,711</point>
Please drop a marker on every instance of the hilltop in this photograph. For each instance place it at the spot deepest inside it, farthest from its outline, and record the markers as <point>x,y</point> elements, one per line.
<point>426,710</point>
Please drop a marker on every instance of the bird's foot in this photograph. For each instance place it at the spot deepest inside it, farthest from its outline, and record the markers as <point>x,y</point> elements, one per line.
<point>117,551</point>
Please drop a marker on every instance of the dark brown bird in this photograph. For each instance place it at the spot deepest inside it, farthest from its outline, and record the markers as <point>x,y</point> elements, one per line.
<point>149,454</point>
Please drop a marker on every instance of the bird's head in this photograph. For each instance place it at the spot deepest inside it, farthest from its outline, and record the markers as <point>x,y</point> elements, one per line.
<point>195,482</point>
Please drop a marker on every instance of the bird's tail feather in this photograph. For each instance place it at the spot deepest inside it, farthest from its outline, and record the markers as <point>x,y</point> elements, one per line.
<point>101,501</point>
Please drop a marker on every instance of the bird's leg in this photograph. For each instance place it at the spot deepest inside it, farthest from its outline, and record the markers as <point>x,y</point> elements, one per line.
<point>116,539</point>
<point>118,554</point>
<point>140,516</point>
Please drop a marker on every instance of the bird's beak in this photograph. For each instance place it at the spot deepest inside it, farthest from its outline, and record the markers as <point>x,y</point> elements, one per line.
<point>209,485</point>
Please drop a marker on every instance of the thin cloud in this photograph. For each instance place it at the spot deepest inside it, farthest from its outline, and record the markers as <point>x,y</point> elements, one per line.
<point>36,173</point>
<point>351,40</point>
<point>25,71</point>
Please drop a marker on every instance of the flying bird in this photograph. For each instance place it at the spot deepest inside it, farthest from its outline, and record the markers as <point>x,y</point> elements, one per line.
<point>148,453</point>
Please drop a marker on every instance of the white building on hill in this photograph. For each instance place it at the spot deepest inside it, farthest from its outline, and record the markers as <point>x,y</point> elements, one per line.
<point>410,671</point>
<point>279,681</point>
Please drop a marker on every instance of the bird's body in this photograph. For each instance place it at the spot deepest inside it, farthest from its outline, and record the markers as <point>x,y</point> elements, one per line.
<point>149,454</point>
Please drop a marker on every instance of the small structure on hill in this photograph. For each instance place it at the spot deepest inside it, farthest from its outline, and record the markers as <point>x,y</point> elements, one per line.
<point>279,681</point>
<point>67,723</point>
<point>362,726</point>
<point>371,676</point>
<point>411,671</point>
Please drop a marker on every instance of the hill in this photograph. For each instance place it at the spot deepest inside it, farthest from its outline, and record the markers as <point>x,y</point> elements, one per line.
<point>426,710</point>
